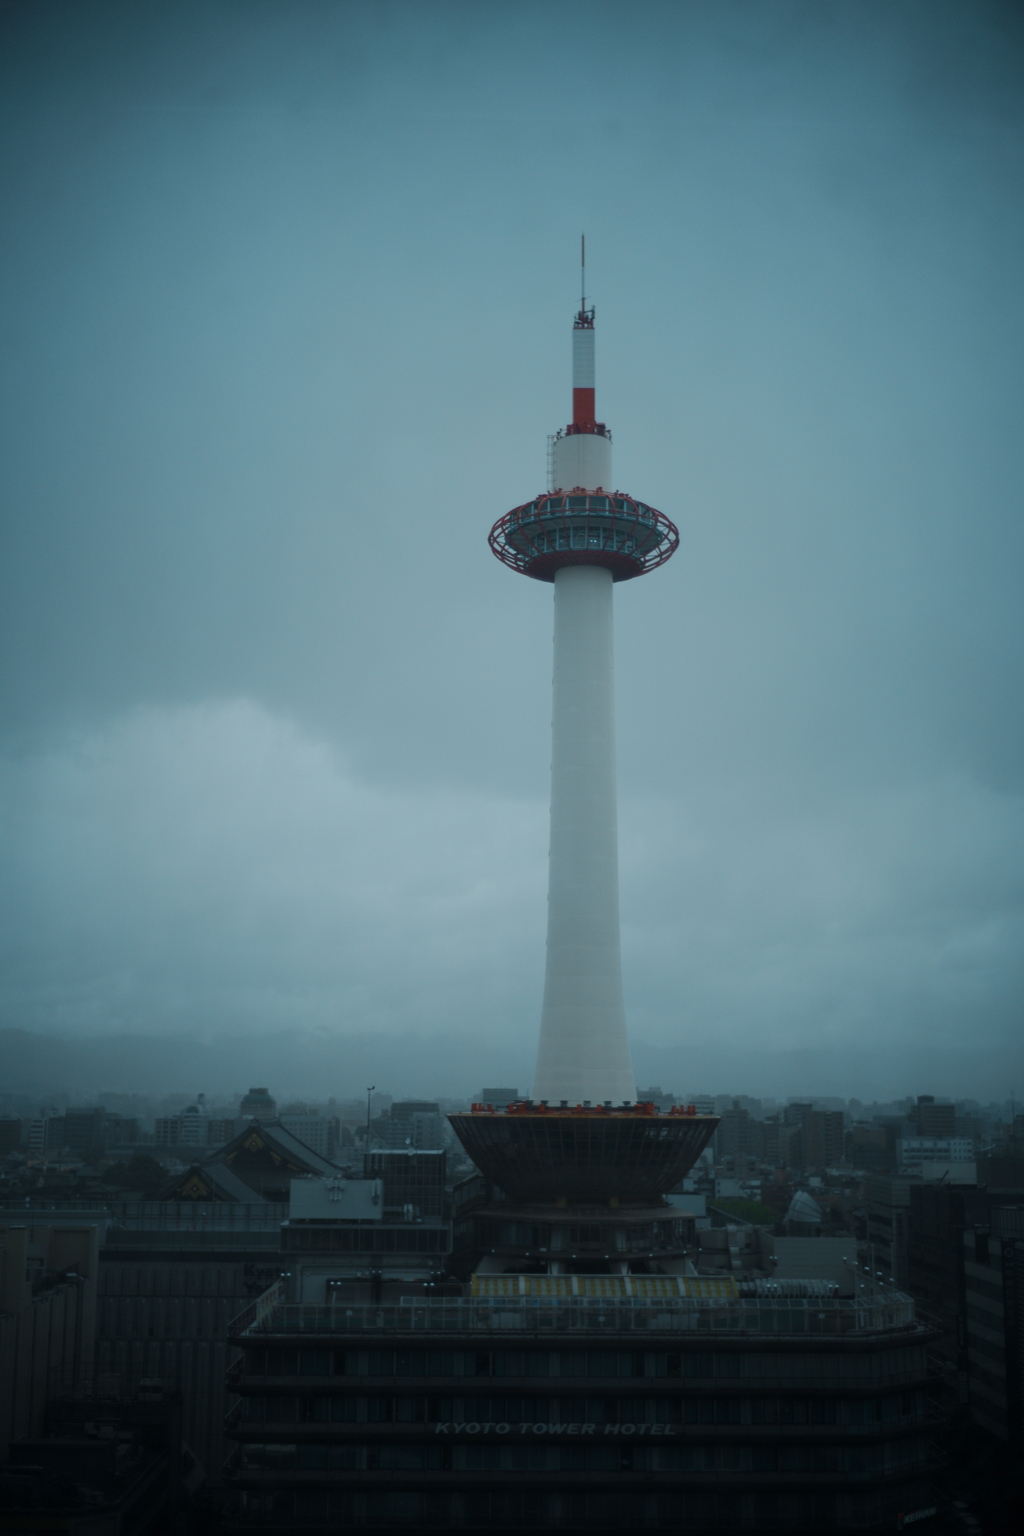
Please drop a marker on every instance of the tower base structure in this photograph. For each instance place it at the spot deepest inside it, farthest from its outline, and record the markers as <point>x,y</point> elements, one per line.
<point>586,1155</point>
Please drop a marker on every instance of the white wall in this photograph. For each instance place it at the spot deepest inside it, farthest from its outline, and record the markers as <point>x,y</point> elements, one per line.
<point>583,1052</point>
<point>582,459</point>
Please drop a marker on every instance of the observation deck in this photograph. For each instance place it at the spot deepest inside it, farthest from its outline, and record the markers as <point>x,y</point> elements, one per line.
<point>623,536</point>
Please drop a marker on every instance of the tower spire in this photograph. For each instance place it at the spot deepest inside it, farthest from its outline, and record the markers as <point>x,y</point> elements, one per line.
<point>583,408</point>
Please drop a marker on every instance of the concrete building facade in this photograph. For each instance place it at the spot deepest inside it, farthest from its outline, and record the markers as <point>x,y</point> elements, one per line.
<point>48,1281</point>
<point>548,1413</point>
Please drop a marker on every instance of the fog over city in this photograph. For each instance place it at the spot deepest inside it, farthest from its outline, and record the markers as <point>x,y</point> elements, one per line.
<point>287,292</point>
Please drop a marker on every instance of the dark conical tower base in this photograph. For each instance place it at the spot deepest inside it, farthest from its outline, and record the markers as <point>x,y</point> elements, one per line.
<point>583,1156</point>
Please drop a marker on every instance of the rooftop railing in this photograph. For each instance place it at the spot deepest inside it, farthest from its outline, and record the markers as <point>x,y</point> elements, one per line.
<point>813,1317</point>
<point>151,1215</point>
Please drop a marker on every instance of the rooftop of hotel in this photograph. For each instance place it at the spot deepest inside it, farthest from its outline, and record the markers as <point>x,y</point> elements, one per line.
<point>814,1316</point>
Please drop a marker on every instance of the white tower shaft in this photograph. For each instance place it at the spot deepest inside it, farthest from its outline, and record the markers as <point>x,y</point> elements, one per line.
<point>583,1053</point>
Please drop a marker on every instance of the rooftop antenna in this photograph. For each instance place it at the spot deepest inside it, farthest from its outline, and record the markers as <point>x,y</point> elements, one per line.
<point>583,272</point>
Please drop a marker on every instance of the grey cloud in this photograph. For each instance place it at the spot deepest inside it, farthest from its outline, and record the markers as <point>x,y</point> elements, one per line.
<point>286,296</point>
<point>215,870</point>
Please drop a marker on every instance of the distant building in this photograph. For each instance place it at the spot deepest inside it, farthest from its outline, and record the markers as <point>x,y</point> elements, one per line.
<point>655,1094</point>
<point>783,1143</point>
<point>84,1129</point>
<point>871,1148</point>
<point>1010,1137</point>
<point>739,1137</point>
<point>415,1123</point>
<point>824,1131</point>
<point>501,1098</point>
<point>193,1128</point>
<point>809,1138</point>
<point>119,1130</point>
<point>189,1129</point>
<point>931,1119</point>
<point>219,1130</point>
<point>258,1105</point>
<point>42,1133</point>
<point>916,1150</point>
<point>317,1132</point>
<point>703,1103</point>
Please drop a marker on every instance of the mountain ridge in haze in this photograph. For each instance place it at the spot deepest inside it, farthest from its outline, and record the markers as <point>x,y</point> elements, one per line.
<point>320,1063</point>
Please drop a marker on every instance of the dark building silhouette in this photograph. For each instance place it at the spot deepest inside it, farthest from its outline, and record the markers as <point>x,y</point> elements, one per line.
<point>84,1130</point>
<point>872,1148</point>
<point>166,1298</point>
<point>103,1468</point>
<point>48,1278</point>
<point>994,1324</point>
<point>940,1224</point>
<point>931,1119</point>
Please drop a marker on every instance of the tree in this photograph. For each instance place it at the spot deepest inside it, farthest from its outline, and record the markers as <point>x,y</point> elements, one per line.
<point>143,1175</point>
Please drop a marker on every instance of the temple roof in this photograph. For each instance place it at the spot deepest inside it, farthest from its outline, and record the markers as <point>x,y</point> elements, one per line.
<point>257,1164</point>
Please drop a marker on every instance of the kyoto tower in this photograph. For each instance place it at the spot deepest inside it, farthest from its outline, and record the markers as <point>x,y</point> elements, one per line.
<point>583,537</point>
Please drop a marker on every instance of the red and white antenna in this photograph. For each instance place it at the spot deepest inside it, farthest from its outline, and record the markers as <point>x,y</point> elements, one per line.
<point>583,418</point>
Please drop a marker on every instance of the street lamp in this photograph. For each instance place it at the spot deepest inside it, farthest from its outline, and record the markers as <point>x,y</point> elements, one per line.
<point>369,1090</point>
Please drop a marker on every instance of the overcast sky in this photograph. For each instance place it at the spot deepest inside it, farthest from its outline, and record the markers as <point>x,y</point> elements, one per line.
<point>287,291</point>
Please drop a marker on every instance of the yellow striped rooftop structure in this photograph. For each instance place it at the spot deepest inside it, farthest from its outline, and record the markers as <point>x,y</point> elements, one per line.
<point>606,1287</point>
